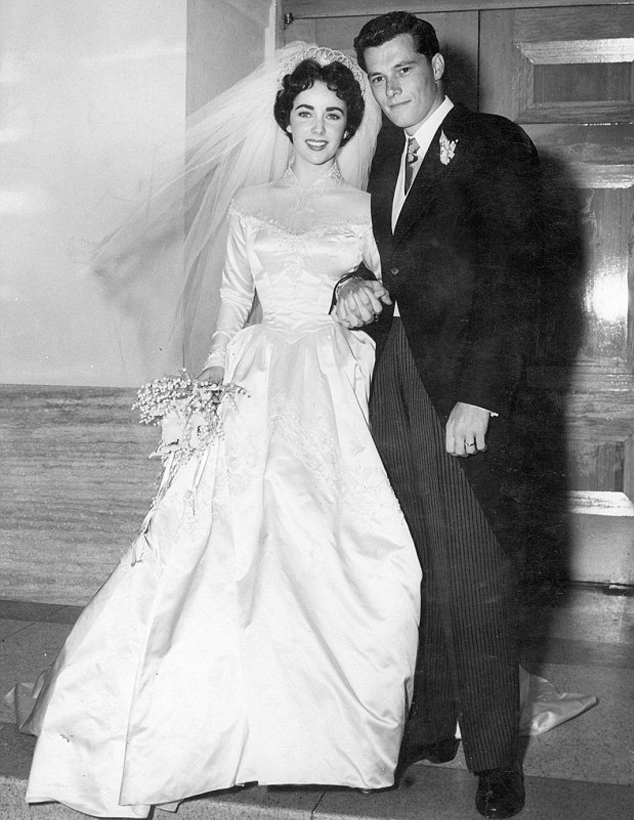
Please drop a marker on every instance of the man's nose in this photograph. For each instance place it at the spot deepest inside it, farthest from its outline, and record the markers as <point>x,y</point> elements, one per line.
<point>392,86</point>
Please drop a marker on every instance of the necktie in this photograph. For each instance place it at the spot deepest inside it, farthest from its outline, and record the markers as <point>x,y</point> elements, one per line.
<point>410,161</point>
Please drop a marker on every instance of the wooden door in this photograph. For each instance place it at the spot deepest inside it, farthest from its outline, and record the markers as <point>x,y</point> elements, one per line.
<point>458,31</point>
<point>565,73</point>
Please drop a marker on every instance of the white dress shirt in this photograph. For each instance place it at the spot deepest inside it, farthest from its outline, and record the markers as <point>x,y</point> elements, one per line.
<point>424,135</point>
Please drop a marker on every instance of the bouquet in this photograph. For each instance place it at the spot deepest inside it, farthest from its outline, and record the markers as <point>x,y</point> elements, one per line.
<point>188,412</point>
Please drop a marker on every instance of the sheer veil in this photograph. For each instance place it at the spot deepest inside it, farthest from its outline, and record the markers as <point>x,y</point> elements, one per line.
<point>231,142</point>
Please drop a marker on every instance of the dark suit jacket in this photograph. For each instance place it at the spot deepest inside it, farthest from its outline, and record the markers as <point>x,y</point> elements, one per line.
<point>464,265</point>
<point>463,262</point>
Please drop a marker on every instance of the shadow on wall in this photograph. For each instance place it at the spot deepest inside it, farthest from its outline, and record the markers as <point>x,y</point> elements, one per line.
<point>558,338</point>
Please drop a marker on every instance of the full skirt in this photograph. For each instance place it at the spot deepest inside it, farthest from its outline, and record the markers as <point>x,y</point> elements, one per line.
<point>263,627</point>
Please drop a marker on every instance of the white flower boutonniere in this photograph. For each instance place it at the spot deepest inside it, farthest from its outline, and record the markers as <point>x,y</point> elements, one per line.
<point>447,148</point>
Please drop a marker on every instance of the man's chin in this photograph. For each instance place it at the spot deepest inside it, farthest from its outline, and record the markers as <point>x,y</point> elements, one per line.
<point>400,118</point>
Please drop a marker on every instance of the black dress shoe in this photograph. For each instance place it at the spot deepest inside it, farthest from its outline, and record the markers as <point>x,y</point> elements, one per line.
<point>442,752</point>
<point>500,792</point>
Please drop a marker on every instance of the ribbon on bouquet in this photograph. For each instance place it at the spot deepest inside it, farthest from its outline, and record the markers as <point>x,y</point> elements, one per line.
<point>189,412</point>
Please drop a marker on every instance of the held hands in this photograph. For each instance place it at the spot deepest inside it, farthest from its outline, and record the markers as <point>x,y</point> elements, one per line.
<point>213,375</point>
<point>360,302</point>
<point>465,434</point>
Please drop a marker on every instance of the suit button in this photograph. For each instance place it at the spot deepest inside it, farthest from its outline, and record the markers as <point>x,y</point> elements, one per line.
<point>395,271</point>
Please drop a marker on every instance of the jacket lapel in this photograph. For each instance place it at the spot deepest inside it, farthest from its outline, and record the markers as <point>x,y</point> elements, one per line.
<point>428,183</point>
<point>423,193</point>
<point>384,177</point>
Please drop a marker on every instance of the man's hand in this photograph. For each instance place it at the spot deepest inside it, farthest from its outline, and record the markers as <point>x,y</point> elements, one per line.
<point>360,302</point>
<point>466,430</point>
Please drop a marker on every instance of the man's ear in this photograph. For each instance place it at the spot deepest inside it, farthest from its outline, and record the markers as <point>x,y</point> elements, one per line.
<point>438,66</point>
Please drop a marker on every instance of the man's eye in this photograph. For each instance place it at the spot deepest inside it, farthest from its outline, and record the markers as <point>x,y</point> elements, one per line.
<point>376,80</point>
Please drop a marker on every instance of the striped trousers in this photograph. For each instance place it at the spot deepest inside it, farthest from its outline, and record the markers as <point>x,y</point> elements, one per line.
<point>467,668</point>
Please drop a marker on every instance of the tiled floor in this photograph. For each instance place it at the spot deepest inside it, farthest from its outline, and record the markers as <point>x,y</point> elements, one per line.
<point>583,770</point>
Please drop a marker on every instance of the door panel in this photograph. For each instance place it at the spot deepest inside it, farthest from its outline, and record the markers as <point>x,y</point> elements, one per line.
<point>566,76</point>
<point>457,33</point>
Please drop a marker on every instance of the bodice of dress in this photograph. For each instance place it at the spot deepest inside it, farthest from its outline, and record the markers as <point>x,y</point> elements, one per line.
<point>292,245</point>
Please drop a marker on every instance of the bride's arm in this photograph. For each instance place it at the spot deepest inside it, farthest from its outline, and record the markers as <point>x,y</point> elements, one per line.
<point>236,297</point>
<point>360,295</point>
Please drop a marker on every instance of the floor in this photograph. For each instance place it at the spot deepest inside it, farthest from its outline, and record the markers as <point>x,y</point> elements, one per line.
<point>582,641</point>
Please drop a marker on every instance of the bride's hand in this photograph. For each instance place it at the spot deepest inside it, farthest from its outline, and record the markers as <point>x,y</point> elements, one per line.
<point>213,375</point>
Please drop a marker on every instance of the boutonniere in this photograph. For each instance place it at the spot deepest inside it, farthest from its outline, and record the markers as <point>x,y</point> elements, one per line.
<point>447,148</point>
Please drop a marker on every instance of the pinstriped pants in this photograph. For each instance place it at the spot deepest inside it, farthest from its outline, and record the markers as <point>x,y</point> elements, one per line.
<point>467,668</point>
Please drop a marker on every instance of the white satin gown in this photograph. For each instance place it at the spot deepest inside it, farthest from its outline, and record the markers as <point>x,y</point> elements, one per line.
<point>268,629</point>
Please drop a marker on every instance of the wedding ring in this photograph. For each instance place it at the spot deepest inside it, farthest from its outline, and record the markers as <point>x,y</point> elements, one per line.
<point>469,443</point>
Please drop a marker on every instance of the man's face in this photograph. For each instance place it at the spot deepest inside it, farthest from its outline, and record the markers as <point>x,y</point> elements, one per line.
<point>404,82</point>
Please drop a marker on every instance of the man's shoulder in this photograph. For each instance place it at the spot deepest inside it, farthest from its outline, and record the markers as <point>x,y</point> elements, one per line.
<point>481,127</point>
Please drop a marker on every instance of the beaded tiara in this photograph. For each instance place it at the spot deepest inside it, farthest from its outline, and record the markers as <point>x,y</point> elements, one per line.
<point>324,56</point>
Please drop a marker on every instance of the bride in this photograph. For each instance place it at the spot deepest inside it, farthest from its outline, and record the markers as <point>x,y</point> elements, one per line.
<point>263,628</point>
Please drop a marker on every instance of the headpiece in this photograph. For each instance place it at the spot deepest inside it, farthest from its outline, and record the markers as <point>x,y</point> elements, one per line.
<point>324,56</point>
<point>231,142</point>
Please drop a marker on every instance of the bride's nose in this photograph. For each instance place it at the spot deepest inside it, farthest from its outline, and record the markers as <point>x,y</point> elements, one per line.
<point>319,125</point>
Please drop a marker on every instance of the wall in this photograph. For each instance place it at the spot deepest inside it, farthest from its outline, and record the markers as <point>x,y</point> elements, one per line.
<point>90,93</point>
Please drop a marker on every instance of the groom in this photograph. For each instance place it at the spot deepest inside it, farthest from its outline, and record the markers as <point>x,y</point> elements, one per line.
<point>455,218</point>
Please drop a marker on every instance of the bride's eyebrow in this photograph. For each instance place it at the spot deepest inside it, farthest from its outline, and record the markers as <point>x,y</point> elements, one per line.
<point>312,107</point>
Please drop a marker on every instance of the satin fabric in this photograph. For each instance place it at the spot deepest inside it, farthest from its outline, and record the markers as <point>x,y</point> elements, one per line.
<point>264,628</point>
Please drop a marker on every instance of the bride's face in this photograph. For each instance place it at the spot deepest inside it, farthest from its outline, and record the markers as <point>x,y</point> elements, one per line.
<point>318,121</point>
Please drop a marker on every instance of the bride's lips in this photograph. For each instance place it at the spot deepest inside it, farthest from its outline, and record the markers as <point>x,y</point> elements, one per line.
<point>316,145</point>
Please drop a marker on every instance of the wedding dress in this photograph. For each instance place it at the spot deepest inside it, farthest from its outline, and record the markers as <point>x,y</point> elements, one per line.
<point>264,626</point>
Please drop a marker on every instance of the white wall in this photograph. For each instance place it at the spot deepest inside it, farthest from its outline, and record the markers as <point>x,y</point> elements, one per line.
<point>89,91</point>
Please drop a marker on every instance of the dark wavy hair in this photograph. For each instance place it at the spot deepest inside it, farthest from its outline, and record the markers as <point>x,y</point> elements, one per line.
<point>388,26</point>
<point>336,76</point>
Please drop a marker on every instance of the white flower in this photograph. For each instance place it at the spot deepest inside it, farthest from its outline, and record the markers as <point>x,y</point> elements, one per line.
<point>188,412</point>
<point>447,148</point>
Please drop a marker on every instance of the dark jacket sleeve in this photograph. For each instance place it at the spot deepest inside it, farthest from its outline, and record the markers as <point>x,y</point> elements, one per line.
<point>504,201</point>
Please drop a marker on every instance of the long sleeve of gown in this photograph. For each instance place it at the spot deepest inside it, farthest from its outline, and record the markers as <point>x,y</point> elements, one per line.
<point>370,251</point>
<point>236,290</point>
<point>369,267</point>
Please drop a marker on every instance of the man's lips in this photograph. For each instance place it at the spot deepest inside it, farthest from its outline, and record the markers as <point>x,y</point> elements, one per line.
<point>399,104</point>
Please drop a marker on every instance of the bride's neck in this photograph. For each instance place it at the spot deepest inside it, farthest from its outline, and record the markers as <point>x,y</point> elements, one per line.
<point>307,174</point>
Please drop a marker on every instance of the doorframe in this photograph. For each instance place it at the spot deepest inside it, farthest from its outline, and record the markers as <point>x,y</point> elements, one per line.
<point>353,8</point>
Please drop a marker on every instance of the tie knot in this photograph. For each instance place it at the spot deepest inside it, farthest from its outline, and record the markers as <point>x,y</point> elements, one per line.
<point>412,150</point>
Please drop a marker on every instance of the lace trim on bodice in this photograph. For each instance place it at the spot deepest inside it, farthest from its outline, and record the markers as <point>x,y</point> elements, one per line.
<point>319,229</point>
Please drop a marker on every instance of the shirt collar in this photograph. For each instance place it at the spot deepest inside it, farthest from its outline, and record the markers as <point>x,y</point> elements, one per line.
<point>425,132</point>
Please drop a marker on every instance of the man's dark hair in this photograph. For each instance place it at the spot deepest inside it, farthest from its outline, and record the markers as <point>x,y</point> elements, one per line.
<point>388,26</point>
<point>336,76</point>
